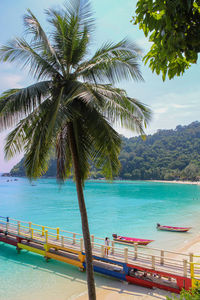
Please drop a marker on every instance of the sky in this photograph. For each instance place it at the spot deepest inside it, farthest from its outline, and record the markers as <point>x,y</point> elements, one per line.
<point>173,102</point>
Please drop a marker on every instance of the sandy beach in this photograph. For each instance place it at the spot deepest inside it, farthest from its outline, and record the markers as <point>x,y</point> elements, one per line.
<point>124,291</point>
<point>117,290</point>
<point>176,181</point>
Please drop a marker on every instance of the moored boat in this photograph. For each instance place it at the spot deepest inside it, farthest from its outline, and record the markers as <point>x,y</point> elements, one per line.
<point>130,240</point>
<point>172,228</point>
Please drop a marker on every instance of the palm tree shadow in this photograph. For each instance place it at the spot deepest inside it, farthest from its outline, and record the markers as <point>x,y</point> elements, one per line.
<point>36,262</point>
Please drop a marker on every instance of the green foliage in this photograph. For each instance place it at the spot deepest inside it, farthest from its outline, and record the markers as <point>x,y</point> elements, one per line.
<point>193,294</point>
<point>73,97</point>
<point>174,29</point>
<point>165,155</point>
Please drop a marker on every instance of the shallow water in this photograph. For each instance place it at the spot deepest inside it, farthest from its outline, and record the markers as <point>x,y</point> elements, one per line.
<point>126,208</point>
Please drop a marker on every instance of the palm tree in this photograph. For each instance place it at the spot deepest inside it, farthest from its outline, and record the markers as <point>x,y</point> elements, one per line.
<point>70,109</point>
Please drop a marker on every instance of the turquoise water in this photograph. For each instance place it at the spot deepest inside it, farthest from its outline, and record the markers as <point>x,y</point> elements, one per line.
<point>127,208</point>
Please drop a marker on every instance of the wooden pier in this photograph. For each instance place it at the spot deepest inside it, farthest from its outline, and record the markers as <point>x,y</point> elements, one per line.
<point>140,265</point>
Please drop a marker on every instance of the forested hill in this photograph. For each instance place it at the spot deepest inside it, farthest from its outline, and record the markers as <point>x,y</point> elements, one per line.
<point>165,155</point>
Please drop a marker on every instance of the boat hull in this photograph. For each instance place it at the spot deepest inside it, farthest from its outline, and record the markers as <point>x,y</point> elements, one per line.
<point>133,241</point>
<point>173,229</point>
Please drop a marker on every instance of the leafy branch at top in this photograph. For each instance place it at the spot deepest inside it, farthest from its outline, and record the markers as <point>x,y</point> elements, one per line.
<point>174,29</point>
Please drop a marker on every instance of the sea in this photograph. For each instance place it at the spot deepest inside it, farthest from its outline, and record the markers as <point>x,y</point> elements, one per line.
<point>129,208</point>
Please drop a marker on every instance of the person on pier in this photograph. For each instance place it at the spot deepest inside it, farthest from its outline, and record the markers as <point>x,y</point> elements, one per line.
<point>107,242</point>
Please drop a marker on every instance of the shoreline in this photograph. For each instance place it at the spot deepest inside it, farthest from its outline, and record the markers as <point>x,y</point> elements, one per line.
<point>120,180</point>
<point>125,291</point>
<point>175,181</point>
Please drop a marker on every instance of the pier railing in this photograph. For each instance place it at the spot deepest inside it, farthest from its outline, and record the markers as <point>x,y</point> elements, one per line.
<point>153,258</point>
<point>194,270</point>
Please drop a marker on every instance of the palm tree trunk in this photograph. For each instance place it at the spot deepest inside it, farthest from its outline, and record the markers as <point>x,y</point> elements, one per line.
<point>84,218</point>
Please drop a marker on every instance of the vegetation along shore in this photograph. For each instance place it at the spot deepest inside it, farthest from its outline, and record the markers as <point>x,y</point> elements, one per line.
<point>165,155</point>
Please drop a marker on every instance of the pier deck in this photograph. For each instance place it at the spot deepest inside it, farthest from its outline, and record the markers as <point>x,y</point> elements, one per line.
<point>140,265</point>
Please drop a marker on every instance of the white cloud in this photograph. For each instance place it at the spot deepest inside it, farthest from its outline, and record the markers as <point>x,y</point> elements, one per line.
<point>180,105</point>
<point>160,110</point>
<point>172,109</point>
<point>6,66</point>
<point>8,81</point>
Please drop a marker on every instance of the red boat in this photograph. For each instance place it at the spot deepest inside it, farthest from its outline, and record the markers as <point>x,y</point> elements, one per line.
<point>174,229</point>
<point>130,240</point>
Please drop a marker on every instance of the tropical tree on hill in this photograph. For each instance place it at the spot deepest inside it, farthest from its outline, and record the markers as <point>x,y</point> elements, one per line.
<point>70,109</point>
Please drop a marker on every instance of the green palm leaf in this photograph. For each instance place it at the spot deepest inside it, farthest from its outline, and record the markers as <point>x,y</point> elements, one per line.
<point>40,39</point>
<point>26,55</point>
<point>112,62</point>
<point>17,103</point>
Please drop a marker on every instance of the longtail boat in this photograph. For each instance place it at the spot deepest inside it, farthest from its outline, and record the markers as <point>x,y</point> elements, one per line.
<point>130,240</point>
<point>172,228</point>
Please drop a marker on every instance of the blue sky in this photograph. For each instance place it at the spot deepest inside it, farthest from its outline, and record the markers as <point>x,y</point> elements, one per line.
<point>173,102</point>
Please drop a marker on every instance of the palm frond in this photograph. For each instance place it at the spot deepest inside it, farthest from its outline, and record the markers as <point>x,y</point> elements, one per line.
<point>72,28</point>
<point>116,106</point>
<point>19,137</point>
<point>40,139</point>
<point>20,51</point>
<point>38,152</point>
<point>101,143</point>
<point>15,141</point>
<point>112,62</point>
<point>17,103</point>
<point>34,28</point>
<point>80,9</point>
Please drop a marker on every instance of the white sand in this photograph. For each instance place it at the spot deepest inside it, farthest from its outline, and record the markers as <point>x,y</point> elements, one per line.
<point>176,181</point>
<point>124,291</point>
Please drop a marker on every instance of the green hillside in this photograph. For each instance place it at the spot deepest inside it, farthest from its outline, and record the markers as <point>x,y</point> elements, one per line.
<point>165,155</point>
